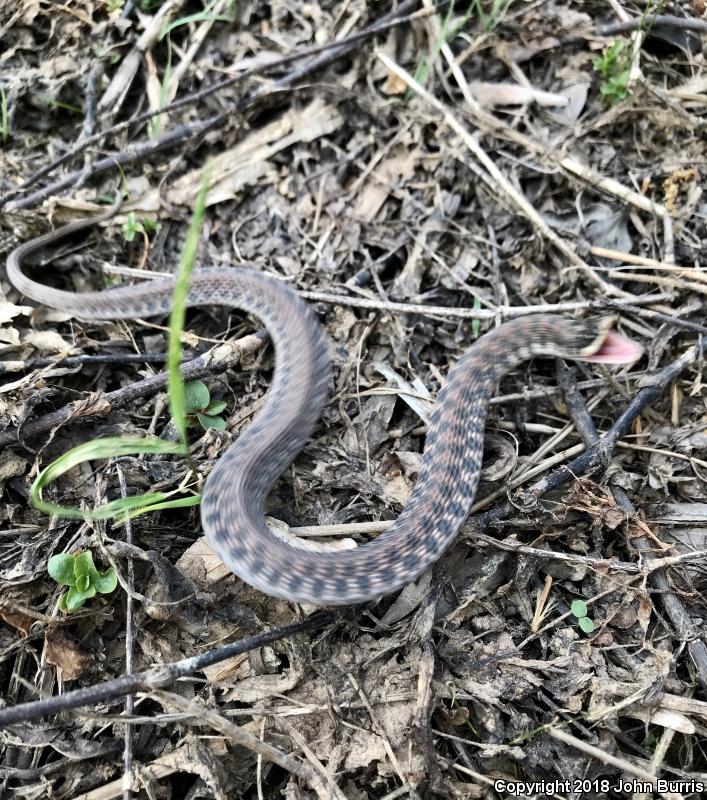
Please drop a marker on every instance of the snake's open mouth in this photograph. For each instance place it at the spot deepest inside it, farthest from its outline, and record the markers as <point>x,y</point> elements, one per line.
<point>616,349</point>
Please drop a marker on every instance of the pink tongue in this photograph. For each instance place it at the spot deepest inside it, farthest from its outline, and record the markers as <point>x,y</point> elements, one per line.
<point>617,349</point>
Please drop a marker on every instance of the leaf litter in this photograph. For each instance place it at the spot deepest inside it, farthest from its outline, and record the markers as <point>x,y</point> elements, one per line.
<point>346,182</point>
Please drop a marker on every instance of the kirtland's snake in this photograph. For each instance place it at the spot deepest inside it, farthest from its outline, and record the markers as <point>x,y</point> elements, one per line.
<point>232,508</point>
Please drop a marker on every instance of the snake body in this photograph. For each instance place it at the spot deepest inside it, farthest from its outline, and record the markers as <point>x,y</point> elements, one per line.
<point>232,509</point>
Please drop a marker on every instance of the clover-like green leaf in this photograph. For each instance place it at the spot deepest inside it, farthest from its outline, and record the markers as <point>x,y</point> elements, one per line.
<point>207,421</point>
<point>196,396</point>
<point>106,582</point>
<point>75,598</point>
<point>216,408</point>
<point>84,566</point>
<point>132,226</point>
<point>61,568</point>
<point>579,608</point>
<point>586,624</point>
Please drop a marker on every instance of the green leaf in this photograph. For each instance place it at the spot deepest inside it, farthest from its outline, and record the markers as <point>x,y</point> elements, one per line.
<point>103,582</point>
<point>208,421</point>
<point>180,502</point>
<point>579,608</point>
<point>216,408</point>
<point>199,16</point>
<point>80,573</point>
<point>196,396</point>
<point>84,566</point>
<point>61,568</point>
<point>75,598</point>
<point>131,226</point>
<point>106,582</point>
<point>607,63</point>
<point>123,505</point>
<point>586,625</point>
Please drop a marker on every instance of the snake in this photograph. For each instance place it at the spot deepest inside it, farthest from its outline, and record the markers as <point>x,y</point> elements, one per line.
<point>235,492</point>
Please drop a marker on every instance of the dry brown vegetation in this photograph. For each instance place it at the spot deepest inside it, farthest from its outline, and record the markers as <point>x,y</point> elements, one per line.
<point>419,185</point>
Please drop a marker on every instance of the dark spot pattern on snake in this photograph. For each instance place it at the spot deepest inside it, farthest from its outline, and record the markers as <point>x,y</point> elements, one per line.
<point>235,492</point>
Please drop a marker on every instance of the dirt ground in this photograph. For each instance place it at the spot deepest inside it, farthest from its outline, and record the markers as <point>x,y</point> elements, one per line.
<point>420,175</point>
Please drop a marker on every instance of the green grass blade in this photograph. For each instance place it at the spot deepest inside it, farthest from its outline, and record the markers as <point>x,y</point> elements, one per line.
<point>177,405</point>
<point>199,16</point>
<point>179,502</point>
<point>114,447</point>
<point>109,447</point>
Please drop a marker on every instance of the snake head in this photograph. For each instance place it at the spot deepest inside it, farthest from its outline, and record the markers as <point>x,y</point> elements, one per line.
<point>593,339</point>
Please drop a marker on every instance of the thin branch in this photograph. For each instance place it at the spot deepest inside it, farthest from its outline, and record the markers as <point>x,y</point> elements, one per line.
<point>155,677</point>
<point>238,735</point>
<point>497,180</point>
<point>324,54</point>
<point>217,360</point>
<point>505,312</point>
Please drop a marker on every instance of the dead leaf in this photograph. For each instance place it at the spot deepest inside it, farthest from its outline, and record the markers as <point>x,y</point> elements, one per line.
<point>11,466</point>
<point>49,342</point>
<point>491,95</point>
<point>394,85</point>
<point>16,618</point>
<point>63,653</point>
<point>383,178</point>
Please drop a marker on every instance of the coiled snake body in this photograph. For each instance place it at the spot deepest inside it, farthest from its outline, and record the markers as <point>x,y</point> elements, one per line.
<point>232,509</point>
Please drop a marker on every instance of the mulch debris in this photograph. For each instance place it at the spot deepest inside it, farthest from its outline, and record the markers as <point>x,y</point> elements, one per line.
<point>476,158</point>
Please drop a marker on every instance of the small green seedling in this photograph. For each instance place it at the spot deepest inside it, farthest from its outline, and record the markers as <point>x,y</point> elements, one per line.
<point>614,66</point>
<point>132,225</point>
<point>125,508</point>
<point>79,573</point>
<point>579,610</point>
<point>199,407</point>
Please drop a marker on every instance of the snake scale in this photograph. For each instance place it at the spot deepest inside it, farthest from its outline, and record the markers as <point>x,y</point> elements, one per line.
<point>232,508</point>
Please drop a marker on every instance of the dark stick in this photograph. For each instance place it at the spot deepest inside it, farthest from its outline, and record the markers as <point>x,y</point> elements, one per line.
<point>684,627</point>
<point>155,677</point>
<point>665,20</point>
<point>675,322</point>
<point>614,28</point>
<point>327,53</point>
<point>101,405</point>
<point>130,154</point>
<point>77,361</point>
<point>161,676</point>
